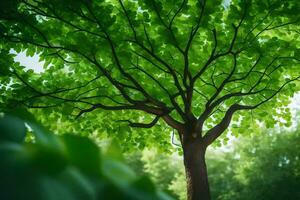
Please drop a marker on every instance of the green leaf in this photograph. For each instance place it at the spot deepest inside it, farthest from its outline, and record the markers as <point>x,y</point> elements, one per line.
<point>144,184</point>
<point>83,153</point>
<point>12,129</point>
<point>48,159</point>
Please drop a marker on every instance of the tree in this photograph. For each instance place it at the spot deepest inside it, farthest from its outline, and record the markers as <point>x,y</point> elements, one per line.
<point>190,64</point>
<point>276,159</point>
<point>265,169</point>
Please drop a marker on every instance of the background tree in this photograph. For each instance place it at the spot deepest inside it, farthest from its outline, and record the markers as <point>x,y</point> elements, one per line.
<point>265,169</point>
<point>188,64</point>
<point>270,167</point>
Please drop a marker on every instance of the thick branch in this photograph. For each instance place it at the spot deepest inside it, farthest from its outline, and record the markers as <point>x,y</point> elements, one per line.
<point>216,131</point>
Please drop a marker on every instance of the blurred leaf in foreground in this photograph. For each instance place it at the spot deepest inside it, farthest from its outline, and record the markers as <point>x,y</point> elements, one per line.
<point>62,167</point>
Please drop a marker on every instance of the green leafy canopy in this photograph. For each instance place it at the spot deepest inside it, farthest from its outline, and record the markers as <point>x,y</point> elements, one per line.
<point>188,64</point>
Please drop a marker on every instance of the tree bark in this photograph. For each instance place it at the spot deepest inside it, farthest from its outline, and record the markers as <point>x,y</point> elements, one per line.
<point>196,171</point>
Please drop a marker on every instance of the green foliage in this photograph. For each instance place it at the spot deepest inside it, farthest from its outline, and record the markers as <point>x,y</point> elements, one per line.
<point>149,56</point>
<point>12,129</point>
<point>156,163</point>
<point>70,167</point>
<point>266,169</point>
<point>165,170</point>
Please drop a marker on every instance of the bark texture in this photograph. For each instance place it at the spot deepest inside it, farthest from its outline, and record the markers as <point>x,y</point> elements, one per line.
<point>196,171</point>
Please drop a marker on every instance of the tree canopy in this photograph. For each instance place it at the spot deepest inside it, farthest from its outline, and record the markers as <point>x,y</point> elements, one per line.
<point>185,62</point>
<point>179,61</point>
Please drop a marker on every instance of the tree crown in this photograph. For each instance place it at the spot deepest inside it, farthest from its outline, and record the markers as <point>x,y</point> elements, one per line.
<point>191,64</point>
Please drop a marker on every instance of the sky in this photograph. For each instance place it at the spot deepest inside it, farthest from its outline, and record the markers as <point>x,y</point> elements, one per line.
<point>29,62</point>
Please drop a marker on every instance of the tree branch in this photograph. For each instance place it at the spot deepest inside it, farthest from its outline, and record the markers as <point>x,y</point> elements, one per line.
<point>216,131</point>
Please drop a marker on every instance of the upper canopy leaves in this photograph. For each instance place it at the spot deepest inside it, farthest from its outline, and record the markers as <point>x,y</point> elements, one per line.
<point>187,62</point>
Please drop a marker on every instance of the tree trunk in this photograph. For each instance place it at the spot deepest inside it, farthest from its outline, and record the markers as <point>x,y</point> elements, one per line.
<point>196,172</point>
